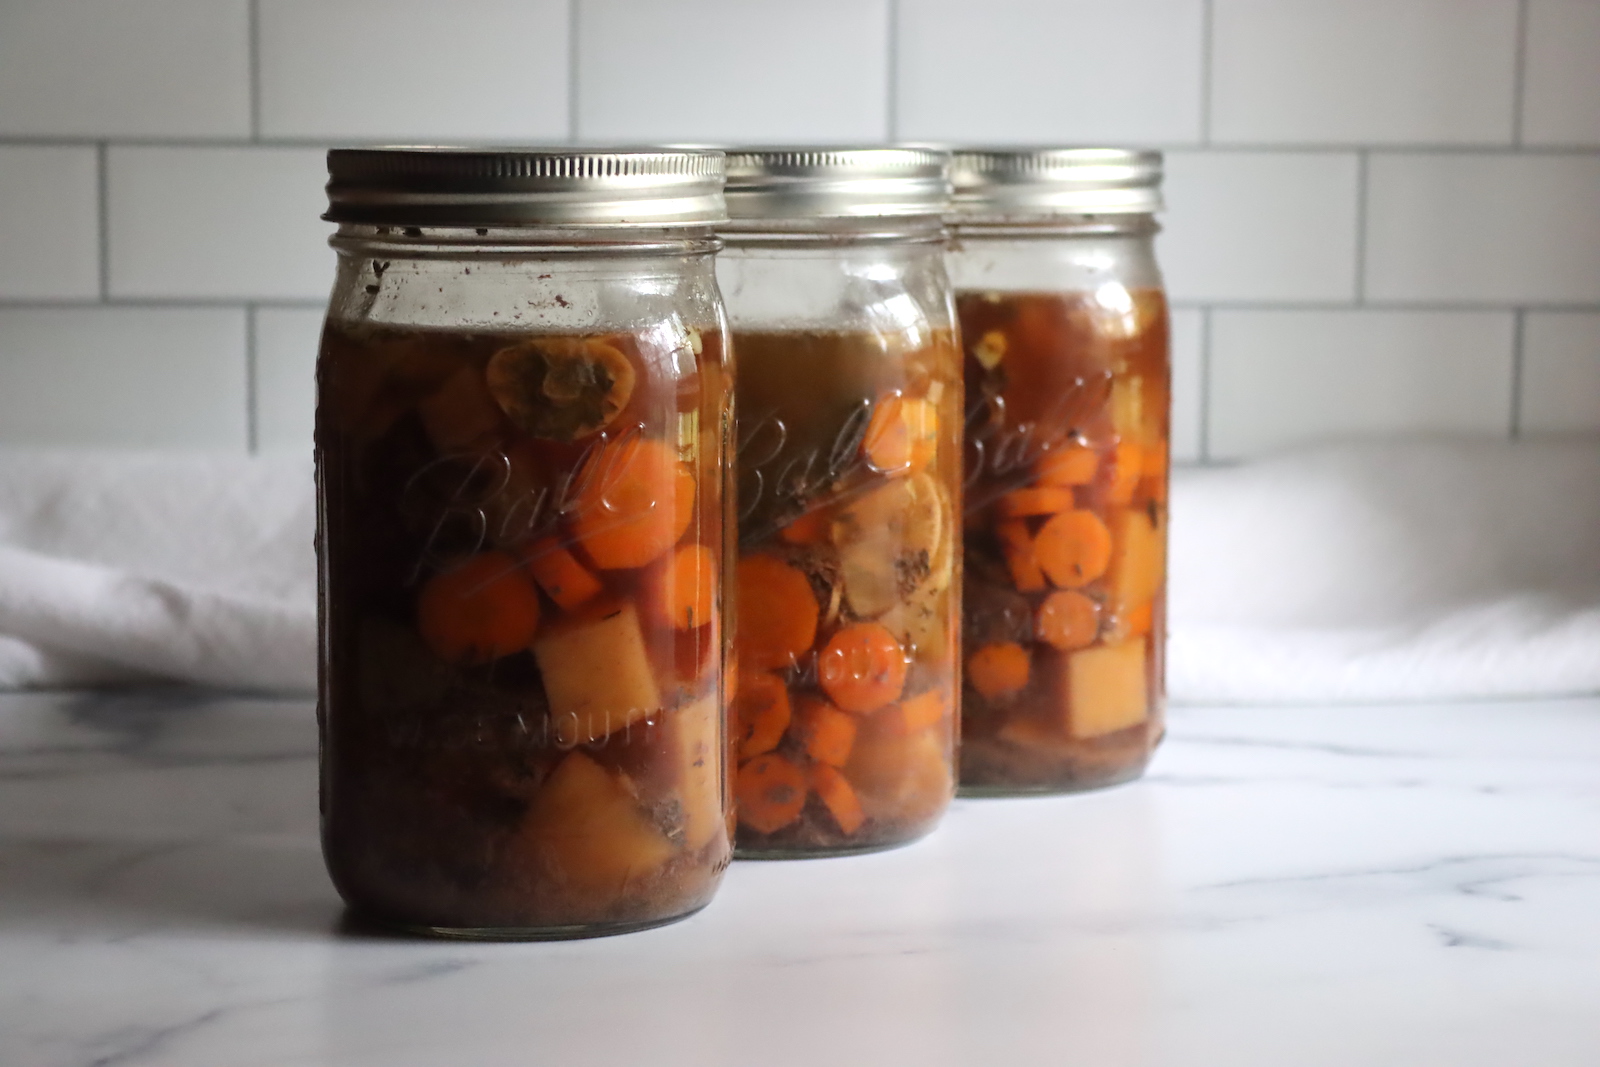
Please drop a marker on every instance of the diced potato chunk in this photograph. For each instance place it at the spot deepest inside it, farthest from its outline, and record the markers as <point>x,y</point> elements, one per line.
<point>1106,689</point>
<point>900,777</point>
<point>696,727</point>
<point>590,831</point>
<point>597,675</point>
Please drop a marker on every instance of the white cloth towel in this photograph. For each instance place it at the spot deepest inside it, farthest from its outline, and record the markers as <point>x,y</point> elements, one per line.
<point>118,567</point>
<point>1419,571</point>
<point>1351,574</point>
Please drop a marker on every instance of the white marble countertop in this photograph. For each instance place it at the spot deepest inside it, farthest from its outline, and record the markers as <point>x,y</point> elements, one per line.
<point>1355,886</point>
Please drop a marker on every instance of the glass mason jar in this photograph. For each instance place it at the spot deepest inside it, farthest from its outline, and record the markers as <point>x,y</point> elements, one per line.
<point>849,408</point>
<point>523,423</point>
<point>1064,325</point>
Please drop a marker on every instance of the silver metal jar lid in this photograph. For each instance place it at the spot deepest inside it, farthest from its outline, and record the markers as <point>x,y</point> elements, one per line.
<point>1009,182</point>
<point>773,183</point>
<point>428,186</point>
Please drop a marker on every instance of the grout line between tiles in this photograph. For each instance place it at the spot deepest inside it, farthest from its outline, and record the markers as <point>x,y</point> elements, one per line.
<point>251,416</point>
<point>572,70</point>
<point>1362,171</point>
<point>103,223</point>
<point>892,75</point>
<point>255,70</point>
<point>1519,73</point>
<point>1518,334</point>
<point>1207,19</point>
<point>1205,385</point>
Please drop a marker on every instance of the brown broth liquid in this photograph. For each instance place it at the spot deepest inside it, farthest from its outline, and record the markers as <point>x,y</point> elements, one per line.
<point>1066,462</point>
<point>849,585</point>
<point>522,725</point>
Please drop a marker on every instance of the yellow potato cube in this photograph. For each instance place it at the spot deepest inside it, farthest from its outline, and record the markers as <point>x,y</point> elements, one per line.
<point>590,832</point>
<point>597,675</point>
<point>697,730</point>
<point>1105,689</point>
<point>898,776</point>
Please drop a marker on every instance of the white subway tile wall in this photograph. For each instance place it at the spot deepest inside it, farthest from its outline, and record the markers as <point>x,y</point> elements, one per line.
<point>283,386</point>
<point>1560,373</point>
<point>110,68</point>
<point>1070,71</point>
<point>1364,71</point>
<point>1561,100</point>
<point>1447,226</point>
<point>1284,378</point>
<point>1261,225</point>
<point>405,70</point>
<point>732,70</point>
<point>140,377</point>
<point>1384,214</point>
<point>49,222</point>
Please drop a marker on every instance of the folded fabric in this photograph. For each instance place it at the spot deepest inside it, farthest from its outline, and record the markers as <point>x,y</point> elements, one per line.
<point>1362,573</point>
<point>120,567</point>
<point>1400,571</point>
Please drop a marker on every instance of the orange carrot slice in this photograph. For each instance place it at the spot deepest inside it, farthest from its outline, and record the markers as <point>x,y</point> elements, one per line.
<point>809,529</point>
<point>770,793</point>
<point>632,501</point>
<point>1073,548</point>
<point>559,574</point>
<point>862,668</point>
<point>1153,463</point>
<point>460,414</point>
<point>1067,620</point>
<point>1066,466</point>
<point>684,591</point>
<point>827,733</point>
<point>1036,501</point>
<point>777,612</point>
<point>902,435</point>
<point>1126,466</point>
<point>1140,620</point>
<point>479,610</point>
<point>998,670</point>
<point>919,712</point>
<point>838,796</point>
<point>761,713</point>
<point>1016,543</point>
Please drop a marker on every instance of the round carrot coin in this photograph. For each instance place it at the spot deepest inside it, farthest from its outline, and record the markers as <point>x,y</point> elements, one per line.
<point>479,610</point>
<point>777,612</point>
<point>770,792</point>
<point>633,501</point>
<point>686,588</point>
<point>862,668</point>
<point>761,713</point>
<point>1073,548</point>
<point>1067,620</point>
<point>838,796</point>
<point>998,670</point>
